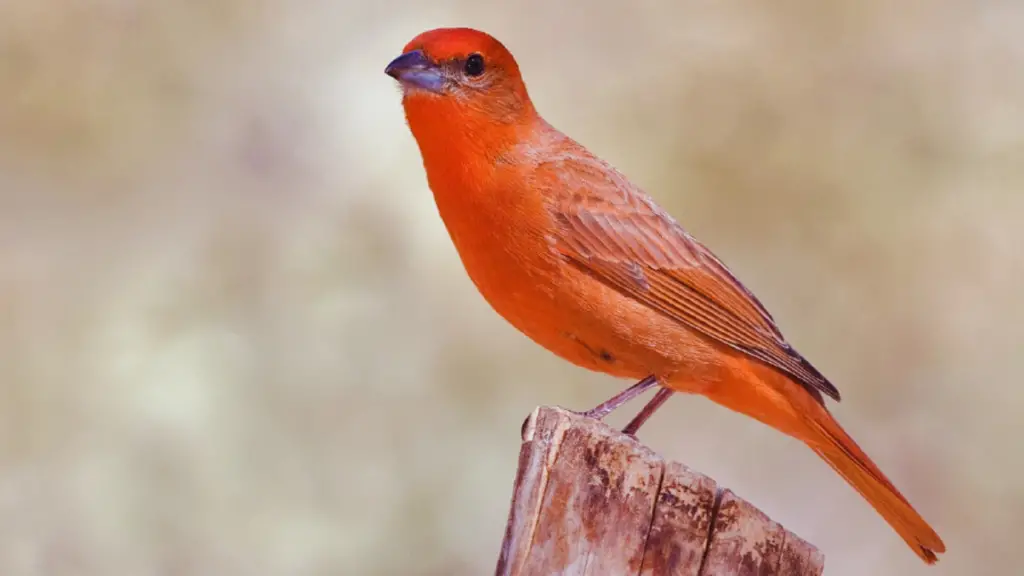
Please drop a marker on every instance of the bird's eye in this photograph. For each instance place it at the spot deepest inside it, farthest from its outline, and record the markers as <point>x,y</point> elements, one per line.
<point>474,65</point>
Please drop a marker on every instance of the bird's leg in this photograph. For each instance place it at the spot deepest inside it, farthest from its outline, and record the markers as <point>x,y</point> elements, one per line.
<point>606,407</point>
<point>647,412</point>
<point>603,409</point>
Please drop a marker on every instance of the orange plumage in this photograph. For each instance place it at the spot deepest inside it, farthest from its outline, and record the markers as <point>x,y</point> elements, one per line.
<point>568,251</point>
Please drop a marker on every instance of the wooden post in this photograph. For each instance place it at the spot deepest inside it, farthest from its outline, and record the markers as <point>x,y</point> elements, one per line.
<point>589,500</point>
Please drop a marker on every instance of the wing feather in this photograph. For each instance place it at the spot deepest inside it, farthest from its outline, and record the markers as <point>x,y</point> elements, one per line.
<point>615,233</point>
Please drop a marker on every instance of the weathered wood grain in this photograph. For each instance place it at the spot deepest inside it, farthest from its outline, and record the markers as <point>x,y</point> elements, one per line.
<point>591,501</point>
<point>587,490</point>
<point>682,523</point>
<point>744,541</point>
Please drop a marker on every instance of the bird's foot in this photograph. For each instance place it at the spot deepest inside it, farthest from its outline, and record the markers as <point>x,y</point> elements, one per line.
<point>606,407</point>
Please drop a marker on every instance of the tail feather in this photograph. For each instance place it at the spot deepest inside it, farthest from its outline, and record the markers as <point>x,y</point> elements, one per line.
<point>840,451</point>
<point>777,401</point>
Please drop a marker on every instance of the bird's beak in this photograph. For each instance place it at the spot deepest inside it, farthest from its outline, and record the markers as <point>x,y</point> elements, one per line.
<point>414,70</point>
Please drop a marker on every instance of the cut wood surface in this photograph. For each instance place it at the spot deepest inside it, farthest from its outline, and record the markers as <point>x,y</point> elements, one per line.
<point>589,500</point>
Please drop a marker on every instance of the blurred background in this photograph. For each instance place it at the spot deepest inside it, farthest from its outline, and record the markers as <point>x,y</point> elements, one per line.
<point>235,337</point>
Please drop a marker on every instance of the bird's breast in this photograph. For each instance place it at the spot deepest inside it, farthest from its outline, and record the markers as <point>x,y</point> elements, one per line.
<point>507,251</point>
<point>505,248</point>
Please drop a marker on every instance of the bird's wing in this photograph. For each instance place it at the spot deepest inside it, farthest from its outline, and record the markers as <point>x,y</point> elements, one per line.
<point>615,233</point>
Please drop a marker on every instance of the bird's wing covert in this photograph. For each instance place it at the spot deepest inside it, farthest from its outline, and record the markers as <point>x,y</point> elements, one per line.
<point>615,233</point>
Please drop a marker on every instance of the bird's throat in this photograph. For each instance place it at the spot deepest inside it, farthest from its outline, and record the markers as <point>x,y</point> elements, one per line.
<point>453,133</point>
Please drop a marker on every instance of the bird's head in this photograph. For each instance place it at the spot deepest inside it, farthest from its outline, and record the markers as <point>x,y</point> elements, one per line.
<point>460,75</point>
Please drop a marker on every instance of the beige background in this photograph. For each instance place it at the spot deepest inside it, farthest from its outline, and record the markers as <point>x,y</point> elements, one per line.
<point>235,339</point>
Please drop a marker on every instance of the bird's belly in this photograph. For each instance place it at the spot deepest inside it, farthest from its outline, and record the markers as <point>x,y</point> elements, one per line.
<point>580,319</point>
<point>566,311</point>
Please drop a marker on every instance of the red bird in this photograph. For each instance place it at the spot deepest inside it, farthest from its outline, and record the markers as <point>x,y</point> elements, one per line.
<point>583,262</point>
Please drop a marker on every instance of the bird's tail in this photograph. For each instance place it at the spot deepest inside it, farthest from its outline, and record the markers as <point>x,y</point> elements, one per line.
<point>838,449</point>
<point>786,406</point>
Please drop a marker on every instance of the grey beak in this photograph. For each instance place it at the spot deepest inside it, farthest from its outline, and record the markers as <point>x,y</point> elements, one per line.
<point>415,70</point>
